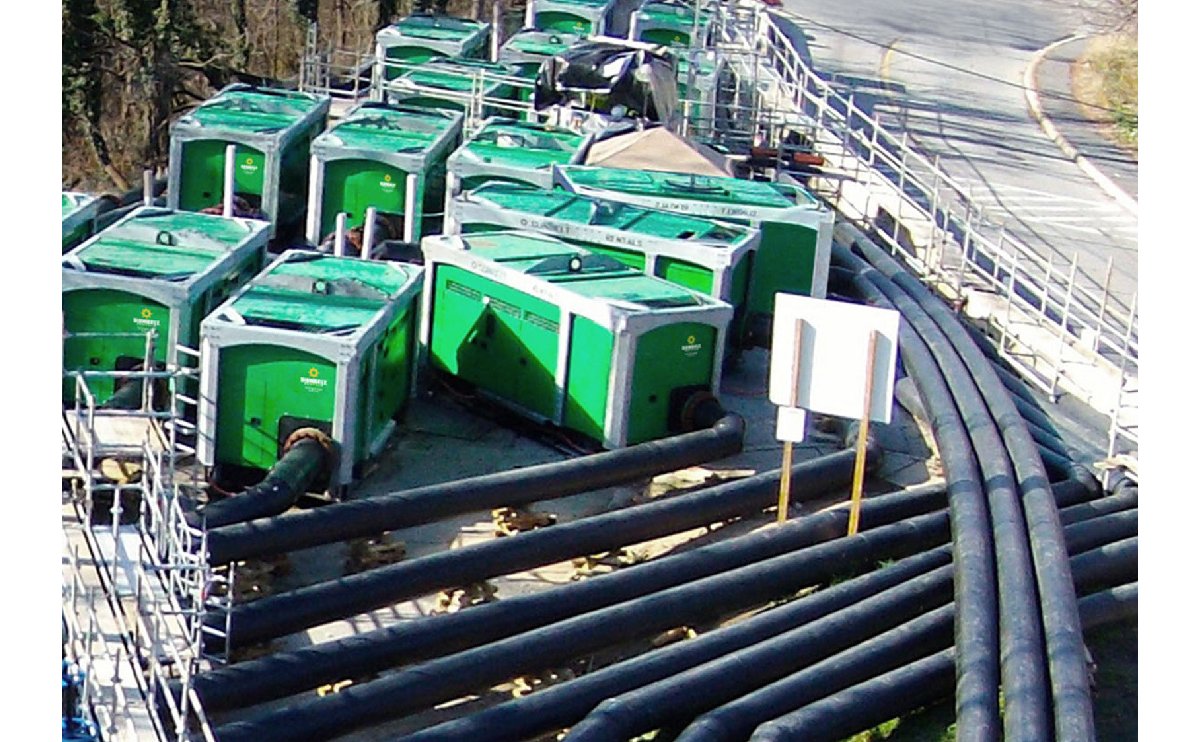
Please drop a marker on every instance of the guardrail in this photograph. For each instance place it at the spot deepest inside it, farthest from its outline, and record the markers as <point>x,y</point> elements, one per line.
<point>930,221</point>
<point>133,586</point>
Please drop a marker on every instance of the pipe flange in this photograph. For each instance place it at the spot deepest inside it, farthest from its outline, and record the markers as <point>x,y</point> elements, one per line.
<point>687,415</point>
<point>308,434</point>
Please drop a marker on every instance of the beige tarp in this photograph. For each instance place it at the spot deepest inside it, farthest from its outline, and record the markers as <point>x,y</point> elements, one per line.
<point>657,149</point>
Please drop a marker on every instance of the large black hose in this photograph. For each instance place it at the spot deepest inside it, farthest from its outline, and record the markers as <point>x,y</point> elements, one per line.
<point>1113,563</point>
<point>305,461</point>
<point>1017,641</point>
<point>563,704</point>
<point>281,614</point>
<point>1101,530</point>
<point>1066,656</point>
<point>423,686</point>
<point>1115,503</point>
<point>371,516</point>
<point>275,676</point>
<point>908,642</point>
<point>678,699</point>
<point>736,720</point>
<point>910,687</point>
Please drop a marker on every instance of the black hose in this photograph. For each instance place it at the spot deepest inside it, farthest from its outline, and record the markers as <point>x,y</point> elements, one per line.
<point>286,481</point>
<point>1074,492</point>
<point>285,613</point>
<point>1114,563</point>
<point>905,689</point>
<point>274,676</point>
<point>1066,656</point>
<point>563,704</point>
<point>908,642</point>
<point>371,516</point>
<point>736,720</point>
<point>423,686</point>
<point>1115,503</point>
<point>1101,530</point>
<point>127,396</point>
<point>1019,643</point>
<point>678,699</point>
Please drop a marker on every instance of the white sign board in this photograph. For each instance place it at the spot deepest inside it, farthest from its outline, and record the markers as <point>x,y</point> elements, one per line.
<point>828,374</point>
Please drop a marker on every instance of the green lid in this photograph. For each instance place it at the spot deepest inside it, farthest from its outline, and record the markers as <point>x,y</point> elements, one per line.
<point>320,293</point>
<point>256,110</point>
<point>577,270</point>
<point>457,75</point>
<point>673,13</point>
<point>595,4</point>
<point>435,27</point>
<point>540,43</point>
<point>157,243</point>
<point>560,204</point>
<point>524,144</point>
<point>685,187</point>
<point>407,130</point>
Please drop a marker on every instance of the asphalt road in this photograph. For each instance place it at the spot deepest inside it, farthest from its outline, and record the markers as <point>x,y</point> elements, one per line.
<point>950,75</point>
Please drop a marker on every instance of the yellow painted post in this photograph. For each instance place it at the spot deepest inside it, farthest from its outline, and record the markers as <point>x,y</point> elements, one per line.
<point>860,459</point>
<point>785,478</point>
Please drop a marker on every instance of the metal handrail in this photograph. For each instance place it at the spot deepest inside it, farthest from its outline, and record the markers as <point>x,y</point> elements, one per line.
<point>1090,323</point>
<point>885,148</point>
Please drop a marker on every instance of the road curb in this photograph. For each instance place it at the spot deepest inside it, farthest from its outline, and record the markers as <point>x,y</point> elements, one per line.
<point>1034,104</point>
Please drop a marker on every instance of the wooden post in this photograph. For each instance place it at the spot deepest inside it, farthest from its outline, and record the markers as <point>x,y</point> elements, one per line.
<point>860,459</point>
<point>785,474</point>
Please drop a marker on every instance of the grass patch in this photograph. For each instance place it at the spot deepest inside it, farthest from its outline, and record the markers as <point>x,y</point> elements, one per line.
<point>1106,79</point>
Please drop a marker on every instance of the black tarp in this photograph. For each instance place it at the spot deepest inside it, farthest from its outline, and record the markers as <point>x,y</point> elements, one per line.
<point>600,75</point>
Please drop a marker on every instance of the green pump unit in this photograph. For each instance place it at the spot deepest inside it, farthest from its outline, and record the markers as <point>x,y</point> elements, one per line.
<point>270,131</point>
<point>391,158</point>
<point>419,38</point>
<point>570,338</point>
<point>528,48</point>
<point>457,85</point>
<point>797,231</point>
<point>513,151</point>
<point>153,270</point>
<point>583,17</point>
<point>670,22</point>
<point>706,255</point>
<point>79,212</point>
<point>313,341</point>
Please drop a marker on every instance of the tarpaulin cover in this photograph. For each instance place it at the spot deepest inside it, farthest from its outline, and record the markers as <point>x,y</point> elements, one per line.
<point>657,148</point>
<point>599,75</point>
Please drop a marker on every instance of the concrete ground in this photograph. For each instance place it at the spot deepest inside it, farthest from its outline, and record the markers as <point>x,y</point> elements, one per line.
<point>442,439</point>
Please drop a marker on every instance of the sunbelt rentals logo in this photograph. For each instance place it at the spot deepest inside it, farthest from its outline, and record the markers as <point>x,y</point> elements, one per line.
<point>313,382</point>
<point>387,183</point>
<point>248,166</point>
<point>691,347</point>
<point>146,319</point>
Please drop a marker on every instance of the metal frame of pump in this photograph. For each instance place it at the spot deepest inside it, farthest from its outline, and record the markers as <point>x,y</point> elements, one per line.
<point>596,15</point>
<point>639,23</point>
<point>505,171</point>
<point>819,218</point>
<point>272,145</point>
<point>471,46</point>
<point>323,154</point>
<point>223,328</point>
<point>179,297</point>
<point>625,322</point>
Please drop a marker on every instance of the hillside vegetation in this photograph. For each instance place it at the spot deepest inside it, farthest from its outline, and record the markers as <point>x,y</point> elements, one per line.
<point>130,67</point>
